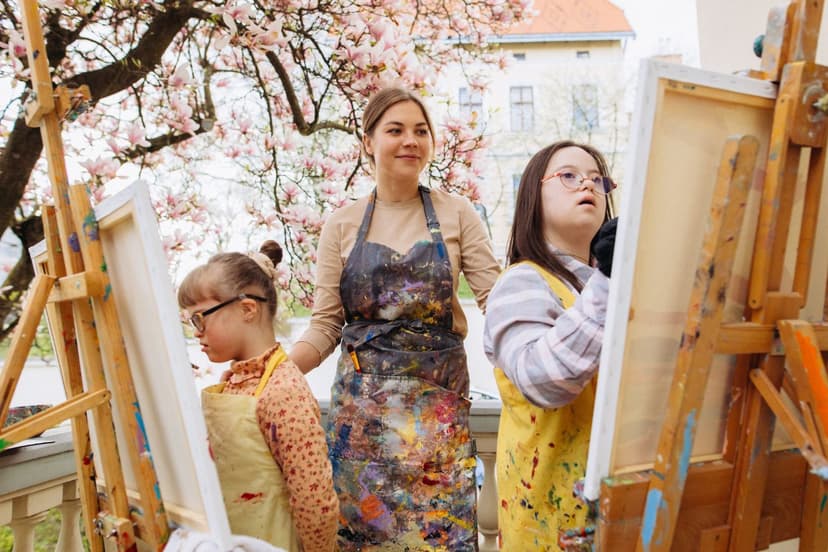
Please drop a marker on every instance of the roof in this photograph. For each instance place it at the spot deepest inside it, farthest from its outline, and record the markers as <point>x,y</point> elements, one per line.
<point>559,20</point>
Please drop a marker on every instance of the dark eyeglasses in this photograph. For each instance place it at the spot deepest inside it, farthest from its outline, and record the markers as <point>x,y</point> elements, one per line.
<point>197,319</point>
<point>601,184</point>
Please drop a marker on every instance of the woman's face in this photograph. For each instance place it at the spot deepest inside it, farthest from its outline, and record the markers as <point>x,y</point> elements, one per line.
<point>400,142</point>
<point>576,212</point>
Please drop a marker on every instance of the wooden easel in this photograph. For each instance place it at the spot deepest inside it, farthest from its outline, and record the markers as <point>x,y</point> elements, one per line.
<point>752,497</point>
<point>86,334</point>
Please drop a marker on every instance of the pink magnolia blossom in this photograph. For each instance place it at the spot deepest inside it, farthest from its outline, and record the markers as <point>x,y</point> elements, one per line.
<point>104,167</point>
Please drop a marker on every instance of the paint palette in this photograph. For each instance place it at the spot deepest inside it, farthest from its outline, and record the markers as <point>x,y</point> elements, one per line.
<point>20,413</point>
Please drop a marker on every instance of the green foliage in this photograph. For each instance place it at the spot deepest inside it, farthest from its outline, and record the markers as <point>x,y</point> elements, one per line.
<point>46,534</point>
<point>464,290</point>
<point>6,539</point>
<point>41,347</point>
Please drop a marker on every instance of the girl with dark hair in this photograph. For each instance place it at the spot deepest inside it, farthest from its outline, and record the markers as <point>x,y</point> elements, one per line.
<point>543,330</point>
<point>387,279</point>
<point>263,421</point>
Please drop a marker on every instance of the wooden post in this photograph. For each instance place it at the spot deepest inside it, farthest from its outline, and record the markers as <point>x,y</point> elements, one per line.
<point>697,344</point>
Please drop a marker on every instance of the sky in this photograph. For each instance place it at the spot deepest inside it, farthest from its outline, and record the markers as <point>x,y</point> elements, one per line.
<point>662,27</point>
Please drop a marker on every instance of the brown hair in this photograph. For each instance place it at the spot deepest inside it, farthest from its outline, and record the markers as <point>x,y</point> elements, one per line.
<point>228,274</point>
<point>380,103</point>
<point>526,241</point>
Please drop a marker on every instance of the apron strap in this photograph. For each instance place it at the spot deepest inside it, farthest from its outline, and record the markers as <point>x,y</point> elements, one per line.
<point>278,357</point>
<point>555,284</point>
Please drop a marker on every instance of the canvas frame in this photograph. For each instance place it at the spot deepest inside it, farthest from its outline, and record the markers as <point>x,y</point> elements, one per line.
<point>159,364</point>
<point>658,125</point>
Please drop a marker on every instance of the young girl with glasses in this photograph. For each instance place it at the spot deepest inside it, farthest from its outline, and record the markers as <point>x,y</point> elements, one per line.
<point>544,325</point>
<point>262,420</point>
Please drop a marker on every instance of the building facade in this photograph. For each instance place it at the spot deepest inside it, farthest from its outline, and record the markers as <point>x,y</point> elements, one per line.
<point>565,80</point>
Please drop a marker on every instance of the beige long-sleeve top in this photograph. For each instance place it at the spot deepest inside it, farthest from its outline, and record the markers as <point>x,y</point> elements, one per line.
<point>399,225</point>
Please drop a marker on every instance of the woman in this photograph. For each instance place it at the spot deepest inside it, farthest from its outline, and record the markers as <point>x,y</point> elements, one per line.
<point>387,279</point>
<point>543,329</point>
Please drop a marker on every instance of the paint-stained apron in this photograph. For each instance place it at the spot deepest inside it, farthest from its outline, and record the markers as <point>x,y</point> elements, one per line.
<point>541,454</point>
<point>401,450</point>
<point>254,490</point>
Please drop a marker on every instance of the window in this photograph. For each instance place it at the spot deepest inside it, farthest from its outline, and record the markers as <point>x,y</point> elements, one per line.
<point>582,54</point>
<point>585,107</point>
<point>519,56</point>
<point>522,108</point>
<point>471,102</point>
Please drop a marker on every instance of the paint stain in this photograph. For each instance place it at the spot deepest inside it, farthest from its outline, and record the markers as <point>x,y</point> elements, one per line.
<point>533,418</point>
<point>247,497</point>
<point>74,244</point>
<point>535,460</point>
<point>429,481</point>
<point>3,444</point>
<point>90,226</point>
<point>87,460</point>
<point>371,507</point>
<point>525,484</point>
<point>504,504</point>
<point>822,504</point>
<point>525,504</point>
<point>689,431</point>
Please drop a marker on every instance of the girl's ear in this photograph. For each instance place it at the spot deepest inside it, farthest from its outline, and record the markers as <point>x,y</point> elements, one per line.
<point>250,309</point>
<point>366,144</point>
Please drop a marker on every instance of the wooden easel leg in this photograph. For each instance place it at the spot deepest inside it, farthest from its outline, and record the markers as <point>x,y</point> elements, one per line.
<point>752,463</point>
<point>810,212</point>
<point>736,408</point>
<point>697,344</point>
<point>814,537</point>
<point>786,197</point>
<point>22,340</point>
<point>62,326</point>
<point>112,347</point>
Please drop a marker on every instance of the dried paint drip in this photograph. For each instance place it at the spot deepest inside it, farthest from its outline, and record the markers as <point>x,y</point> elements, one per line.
<point>249,497</point>
<point>74,243</point>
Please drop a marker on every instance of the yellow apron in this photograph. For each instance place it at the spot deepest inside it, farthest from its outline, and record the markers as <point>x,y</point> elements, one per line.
<point>254,491</point>
<point>541,453</point>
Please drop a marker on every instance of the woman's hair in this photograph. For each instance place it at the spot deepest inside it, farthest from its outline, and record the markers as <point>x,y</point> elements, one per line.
<point>380,103</point>
<point>227,275</point>
<point>526,240</point>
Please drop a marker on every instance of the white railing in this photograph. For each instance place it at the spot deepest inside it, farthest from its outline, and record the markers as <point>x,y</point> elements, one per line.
<point>485,418</point>
<point>38,478</point>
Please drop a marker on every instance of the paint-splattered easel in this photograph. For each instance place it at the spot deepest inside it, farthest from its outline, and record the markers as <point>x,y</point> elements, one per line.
<point>724,500</point>
<point>87,334</point>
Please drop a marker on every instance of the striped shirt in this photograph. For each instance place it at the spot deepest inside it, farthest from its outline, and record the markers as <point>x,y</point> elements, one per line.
<point>548,352</point>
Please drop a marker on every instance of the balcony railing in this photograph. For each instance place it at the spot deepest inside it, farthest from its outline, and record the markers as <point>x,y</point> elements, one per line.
<point>37,478</point>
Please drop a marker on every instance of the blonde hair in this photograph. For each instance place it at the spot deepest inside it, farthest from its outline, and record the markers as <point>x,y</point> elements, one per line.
<point>226,275</point>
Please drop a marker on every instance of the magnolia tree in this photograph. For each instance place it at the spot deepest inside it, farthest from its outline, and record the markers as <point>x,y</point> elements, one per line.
<point>255,104</point>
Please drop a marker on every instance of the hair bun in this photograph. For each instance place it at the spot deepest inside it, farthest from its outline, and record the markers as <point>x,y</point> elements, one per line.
<point>273,251</point>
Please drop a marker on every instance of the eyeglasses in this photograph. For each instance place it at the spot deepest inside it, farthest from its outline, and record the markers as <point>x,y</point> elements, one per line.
<point>197,319</point>
<point>573,181</point>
